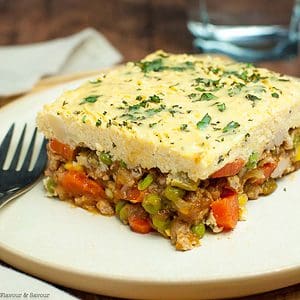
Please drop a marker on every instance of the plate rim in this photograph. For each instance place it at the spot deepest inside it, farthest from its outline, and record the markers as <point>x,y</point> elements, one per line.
<point>282,277</point>
<point>248,284</point>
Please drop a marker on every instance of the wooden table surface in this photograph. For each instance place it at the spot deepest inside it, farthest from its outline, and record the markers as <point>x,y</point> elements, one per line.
<point>135,28</point>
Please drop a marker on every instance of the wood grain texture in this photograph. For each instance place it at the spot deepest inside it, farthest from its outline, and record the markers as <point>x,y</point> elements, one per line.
<point>135,27</point>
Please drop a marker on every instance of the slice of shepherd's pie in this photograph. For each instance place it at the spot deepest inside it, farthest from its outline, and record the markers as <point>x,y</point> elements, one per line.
<point>173,143</point>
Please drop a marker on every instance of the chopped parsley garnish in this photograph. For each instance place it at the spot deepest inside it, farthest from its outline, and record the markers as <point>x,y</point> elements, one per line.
<point>275,95</point>
<point>221,107</point>
<point>231,126</point>
<point>207,97</point>
<point>139,97</point>
<point>154,99</point>
<point>95,81</point>
<point>252,98</point>
<point>283,79</point>
<point>183,127</point>
<point>152,124</point>
<point>98,123</point>
<point>89,99</point>
<point>235,89</point>
<point>204,122</point>
<point>155,65</point>
<point>192,95</point>
<point>83,119</point>
<point>247,135</point>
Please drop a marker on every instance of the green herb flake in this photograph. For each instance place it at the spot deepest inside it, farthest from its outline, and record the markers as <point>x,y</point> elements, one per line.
<point>154,99</point>
<point>98,123</point>
<point>221,158</point>
<point>207,97</point>
<point>221,107</point>
<point>204,122</point>
<point>139,97</point>
<point>275,95</point>
<point>155,65</point>
<point>183,127</point>
<point>230,126</point>
<point>89,99</point>
<point>83,119</point>
<point>247,135</point>
<point>95,81</point>
<point>152,124</point>
<point>252,98</point>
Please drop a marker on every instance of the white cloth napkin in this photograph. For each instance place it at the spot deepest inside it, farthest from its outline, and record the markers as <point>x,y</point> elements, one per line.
<point>16,285</point>
<point>22,66</point>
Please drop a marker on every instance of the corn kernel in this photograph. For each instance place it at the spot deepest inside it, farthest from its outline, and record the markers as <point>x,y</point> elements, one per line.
<point>242,198</point>
<point>297,153</point>
<point>71,166</point>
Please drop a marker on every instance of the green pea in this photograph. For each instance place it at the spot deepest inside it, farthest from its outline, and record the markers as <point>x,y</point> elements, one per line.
<point>105,158</point>
<point>50,185</point>
<point>269,186</point>
<point>145,182</point>
<point>161,222</point>
<point>173,193</point>
<point>199,230</point>
<point>152,203</point>
<point>124,213</point>
<point>119,206</point>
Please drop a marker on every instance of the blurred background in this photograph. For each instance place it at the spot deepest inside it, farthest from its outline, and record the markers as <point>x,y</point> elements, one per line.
<point>134,27</point>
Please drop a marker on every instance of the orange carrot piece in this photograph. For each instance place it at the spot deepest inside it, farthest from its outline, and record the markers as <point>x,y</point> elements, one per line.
<point>139,225</point>
<point>267,169</point>
<point>226,211</point>
<point>78,184</point>
<point>229,169</point>
<point>134,195</point>
<point>62,149</point>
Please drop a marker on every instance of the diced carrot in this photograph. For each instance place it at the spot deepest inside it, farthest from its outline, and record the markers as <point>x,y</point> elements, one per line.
<point>62,149</point>
<point>134,195</point>
<point>267,169</point>
<point>229,169</point>
<point>226,211</point>
<point>78,184</point>
<point>139,225</point>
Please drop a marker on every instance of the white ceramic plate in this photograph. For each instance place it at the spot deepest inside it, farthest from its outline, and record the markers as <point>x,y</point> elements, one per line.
<point>16,283</point>
<point>69,246</point>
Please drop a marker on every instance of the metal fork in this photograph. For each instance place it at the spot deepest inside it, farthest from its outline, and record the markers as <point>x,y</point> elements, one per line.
<point>16,182</point>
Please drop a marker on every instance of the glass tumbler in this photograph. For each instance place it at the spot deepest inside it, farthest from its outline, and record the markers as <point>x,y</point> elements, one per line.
<point>246,30</point>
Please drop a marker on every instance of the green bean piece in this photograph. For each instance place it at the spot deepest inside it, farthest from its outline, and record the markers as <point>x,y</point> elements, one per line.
<point>105,158</point>
<point>161,222</point>
<point>199,230</point>
<point>119,206</point>
<point>182,181</point>
<point>145,182</point>
<point>152,203</point>
<point>124,213</point>
<point>173,193</point>
<point>269,186</point>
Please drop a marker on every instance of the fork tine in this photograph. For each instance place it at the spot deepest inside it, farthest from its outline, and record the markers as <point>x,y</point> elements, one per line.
<point>42,159</point>
<point>27,159</point>
<point>16,157</point>
<point>5,145</point>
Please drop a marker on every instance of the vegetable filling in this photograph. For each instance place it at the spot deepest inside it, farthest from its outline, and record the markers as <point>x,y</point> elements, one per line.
<point>170,204</point>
